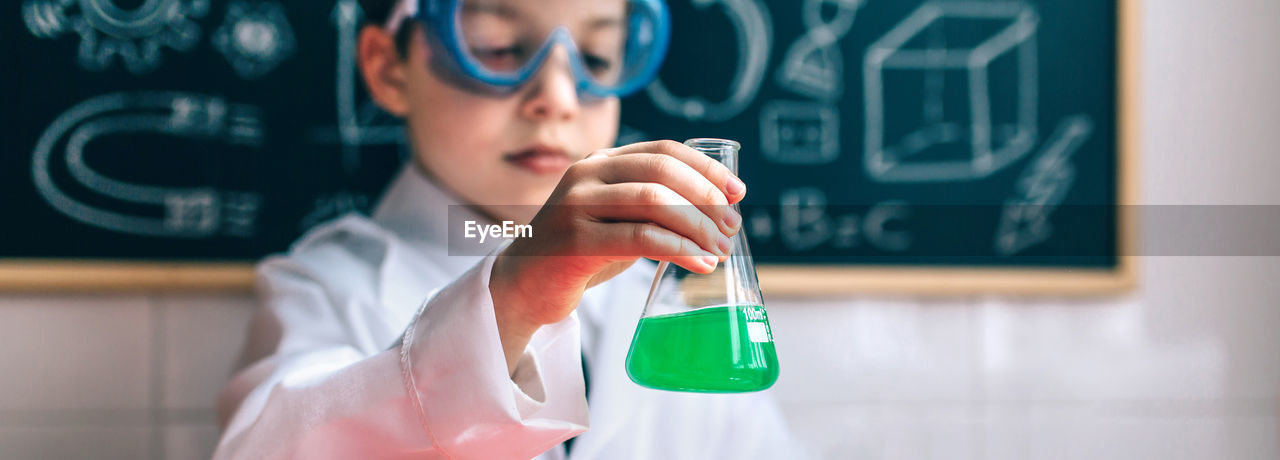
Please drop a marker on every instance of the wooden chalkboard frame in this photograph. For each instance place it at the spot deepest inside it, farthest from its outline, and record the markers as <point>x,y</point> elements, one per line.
<point>33,275</point>
<point>806,281</point>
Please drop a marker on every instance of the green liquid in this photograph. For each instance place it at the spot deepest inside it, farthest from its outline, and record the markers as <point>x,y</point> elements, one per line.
<point>707,350</point>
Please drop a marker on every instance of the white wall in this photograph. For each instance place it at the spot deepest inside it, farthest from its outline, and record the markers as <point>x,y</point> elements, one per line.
<point>1187,367</point>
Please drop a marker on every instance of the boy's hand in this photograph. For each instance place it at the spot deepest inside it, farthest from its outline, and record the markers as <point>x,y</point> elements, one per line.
<point>661,200</point>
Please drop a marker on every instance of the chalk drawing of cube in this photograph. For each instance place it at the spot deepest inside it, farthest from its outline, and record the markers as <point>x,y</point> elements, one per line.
<point>951,92</point>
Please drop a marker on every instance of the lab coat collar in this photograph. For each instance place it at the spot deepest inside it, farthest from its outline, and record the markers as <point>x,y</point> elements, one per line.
<point>417,210</point>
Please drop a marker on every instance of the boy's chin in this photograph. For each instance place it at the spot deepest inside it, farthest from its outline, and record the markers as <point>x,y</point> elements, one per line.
<point>514,211</point>
<point>526,189</point>
<point>527,195</point>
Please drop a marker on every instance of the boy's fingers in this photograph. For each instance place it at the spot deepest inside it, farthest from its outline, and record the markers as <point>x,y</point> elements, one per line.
<point>677,176</point>
<point>645,202</point>
<point>718,174</point>
<point>630,239</point>
<point>662,169</point>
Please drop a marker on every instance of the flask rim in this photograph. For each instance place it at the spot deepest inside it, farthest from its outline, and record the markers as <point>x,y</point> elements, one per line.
<point>713,146</point>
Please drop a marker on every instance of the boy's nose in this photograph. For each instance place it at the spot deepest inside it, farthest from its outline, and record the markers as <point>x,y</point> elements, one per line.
<point>553,92</point>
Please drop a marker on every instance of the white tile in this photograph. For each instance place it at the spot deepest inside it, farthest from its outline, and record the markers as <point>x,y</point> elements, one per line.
<point>66,442</point>
<point>1005,432</point>
<point>1071,350</point>
<point>1253,438</point>
<point>873,350</point>
<point>202,339</point>
<point>190,442</point>
<point>1097,432</point>
<point>907,431</point>
<point>835,431</point>
<point>75,352</point>
<point>1201,328</point>
<point>929,433</point>
<point>1234,300</point>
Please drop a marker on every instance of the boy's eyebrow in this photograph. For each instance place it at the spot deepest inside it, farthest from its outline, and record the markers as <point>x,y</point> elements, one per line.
<point>506,11</point>
<point>604,22</point>
<point>501,10</point>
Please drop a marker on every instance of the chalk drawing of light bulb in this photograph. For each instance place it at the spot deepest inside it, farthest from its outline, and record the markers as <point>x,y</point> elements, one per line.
<point>254,37</point>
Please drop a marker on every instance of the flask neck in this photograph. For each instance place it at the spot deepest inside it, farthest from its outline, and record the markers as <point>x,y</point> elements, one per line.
<point>723,150</point>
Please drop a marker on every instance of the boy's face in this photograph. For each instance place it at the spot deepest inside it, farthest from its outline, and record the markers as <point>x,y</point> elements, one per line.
<point>512,149</point>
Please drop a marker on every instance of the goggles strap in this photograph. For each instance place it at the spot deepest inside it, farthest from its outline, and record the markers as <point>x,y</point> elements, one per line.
<point>404,9</point>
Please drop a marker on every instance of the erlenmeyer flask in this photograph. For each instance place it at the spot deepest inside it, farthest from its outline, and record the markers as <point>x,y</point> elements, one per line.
<point>706,333</point>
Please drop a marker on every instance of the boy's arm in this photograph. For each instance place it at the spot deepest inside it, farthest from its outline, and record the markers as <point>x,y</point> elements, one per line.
<point>443,390</point>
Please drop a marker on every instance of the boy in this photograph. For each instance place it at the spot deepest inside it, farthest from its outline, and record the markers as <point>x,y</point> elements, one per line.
<point>374,342</point>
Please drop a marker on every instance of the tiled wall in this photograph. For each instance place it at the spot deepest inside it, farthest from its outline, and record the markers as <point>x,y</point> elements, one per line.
<point>120,377</point>
<point>1188,367</point>
<point>1188,370</point>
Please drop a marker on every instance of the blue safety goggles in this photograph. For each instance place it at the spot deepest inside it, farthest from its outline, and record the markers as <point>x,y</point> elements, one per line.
<point>615,47</point>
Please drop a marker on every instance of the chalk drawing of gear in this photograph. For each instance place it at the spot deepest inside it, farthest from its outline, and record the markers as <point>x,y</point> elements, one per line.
<point>813,66</point>
<point>106,30</point>
<point>255,38</point>
<point>755,39</point>
<point>177,212</point>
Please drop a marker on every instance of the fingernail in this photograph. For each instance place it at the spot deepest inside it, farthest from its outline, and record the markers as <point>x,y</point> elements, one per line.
<point>735,186</point>
<point>725,246</point>
<point>710,261</point>
<point>732,220</point>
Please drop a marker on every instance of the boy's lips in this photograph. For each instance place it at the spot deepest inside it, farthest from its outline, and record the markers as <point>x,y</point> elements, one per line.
<point>541,159</point>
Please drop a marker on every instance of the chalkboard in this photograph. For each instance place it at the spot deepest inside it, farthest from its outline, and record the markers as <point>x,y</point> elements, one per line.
<point>888,145</point>
<point>920,146</point>
<point>186,138</point>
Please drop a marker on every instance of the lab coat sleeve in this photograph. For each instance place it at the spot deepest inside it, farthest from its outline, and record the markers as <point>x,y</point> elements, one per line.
<point>467,403</point>
<point>442,391</point>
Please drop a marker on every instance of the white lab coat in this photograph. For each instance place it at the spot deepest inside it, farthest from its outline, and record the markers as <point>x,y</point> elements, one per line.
<point>372,342</point>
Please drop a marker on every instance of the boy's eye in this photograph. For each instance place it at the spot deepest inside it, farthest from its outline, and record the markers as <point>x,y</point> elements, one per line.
<point>597,64</point>
<point>500,58</point>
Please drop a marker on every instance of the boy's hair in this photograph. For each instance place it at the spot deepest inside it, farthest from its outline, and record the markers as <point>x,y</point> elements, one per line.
<point>376,13</point>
